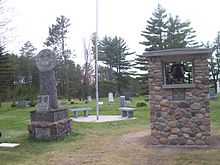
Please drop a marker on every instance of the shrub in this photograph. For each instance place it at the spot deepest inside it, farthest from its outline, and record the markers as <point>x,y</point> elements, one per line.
<point>72,102</point>
<point>13,104</point>
<point>33,103</point>
<point>146,99</point>
<point>141,104</point>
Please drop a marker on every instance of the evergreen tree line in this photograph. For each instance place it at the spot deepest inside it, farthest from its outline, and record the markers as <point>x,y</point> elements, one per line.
<point>118,71</point>
<point>24,78</point>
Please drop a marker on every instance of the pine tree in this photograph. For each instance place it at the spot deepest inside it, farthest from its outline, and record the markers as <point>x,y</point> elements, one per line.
<point>163,32</point>
<point>26,62</point>
<point>57,35</point>
<point>56,40</point>
<point>6,73</point>
<point>27,78</point>
<point>106,49</point>
<point>155,31</point>
<point>28,50</point>
<point>155,37</point>
<point>122,64</point>
<point>114,53</point>
<point>75,80</point>
<point>87,70</point>
<point>180,34</point>
<point>142,74</point>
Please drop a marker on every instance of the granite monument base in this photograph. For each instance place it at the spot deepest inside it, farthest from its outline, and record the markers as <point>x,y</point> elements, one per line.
<point>49,125</point>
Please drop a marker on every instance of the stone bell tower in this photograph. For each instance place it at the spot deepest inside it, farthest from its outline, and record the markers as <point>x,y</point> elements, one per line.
<point>178,96</point>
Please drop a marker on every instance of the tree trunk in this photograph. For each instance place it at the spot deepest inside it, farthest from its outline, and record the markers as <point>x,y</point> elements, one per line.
<point>215,86</point>
<point>67,93</point>
<point>110,73</point>
<point>119,83</point>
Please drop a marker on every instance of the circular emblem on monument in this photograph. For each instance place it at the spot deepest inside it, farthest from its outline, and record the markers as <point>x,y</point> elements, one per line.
<point>46,60</point>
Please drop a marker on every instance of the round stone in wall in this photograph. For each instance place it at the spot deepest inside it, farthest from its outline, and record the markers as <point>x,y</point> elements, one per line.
<point>46,60</point>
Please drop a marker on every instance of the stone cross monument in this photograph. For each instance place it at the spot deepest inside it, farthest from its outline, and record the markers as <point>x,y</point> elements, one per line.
<point>46,62</point>
<point>48,121</point>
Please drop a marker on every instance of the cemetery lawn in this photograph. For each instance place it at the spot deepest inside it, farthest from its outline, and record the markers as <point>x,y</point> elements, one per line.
<point>111,143</point>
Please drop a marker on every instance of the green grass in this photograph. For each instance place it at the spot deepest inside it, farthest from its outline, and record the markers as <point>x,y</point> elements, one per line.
<point>13,125</point>
<point>215,111</point>
<point>141,114</point>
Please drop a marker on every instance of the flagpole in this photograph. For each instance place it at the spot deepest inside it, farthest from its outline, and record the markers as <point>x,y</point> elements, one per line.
<point>96,65</point>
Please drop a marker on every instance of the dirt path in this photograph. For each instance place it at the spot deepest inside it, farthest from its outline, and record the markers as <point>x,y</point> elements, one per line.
<point>128,149</point>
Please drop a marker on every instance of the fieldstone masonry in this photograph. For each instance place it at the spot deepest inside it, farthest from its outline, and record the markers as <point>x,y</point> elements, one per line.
<point>185,121</point>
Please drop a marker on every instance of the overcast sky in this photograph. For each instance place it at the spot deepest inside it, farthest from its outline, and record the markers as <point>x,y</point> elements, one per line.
<point>30,20</point>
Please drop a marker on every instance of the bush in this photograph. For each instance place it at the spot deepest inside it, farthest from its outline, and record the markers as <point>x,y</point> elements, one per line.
<point>141,104</point>
<point>13,105</point>
<point>33,103</point>
<point>146,98</point>
<point>72,102</point>
<point>107,86</point>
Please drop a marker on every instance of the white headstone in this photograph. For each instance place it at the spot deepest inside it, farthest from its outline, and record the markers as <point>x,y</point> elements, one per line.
<point>9,145</point>
<point>89,98</point>
<point>110,97</point>
<point>101,103</point>
<point>218,87</point>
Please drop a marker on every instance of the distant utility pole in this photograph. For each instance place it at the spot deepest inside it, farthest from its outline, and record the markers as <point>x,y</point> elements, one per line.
<point>96,63</point>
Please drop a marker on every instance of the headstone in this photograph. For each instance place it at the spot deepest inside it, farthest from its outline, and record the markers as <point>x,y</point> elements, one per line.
<point>218,87</point>
<point>23,103</point>
<point>110,97</point>
<point>100,103</point>
<point>122,101</point>
<point>49,121</point>
<point>128,95</point>
<point>8,145</point>
<point>89,98</point>
<point>212,94</point>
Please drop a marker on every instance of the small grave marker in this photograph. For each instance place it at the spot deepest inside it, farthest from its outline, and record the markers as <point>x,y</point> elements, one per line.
<point>8,145</point>
<point>89,98</point>
<point>110,97</point>
<point>23,103</point>
<point>122,101</point>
